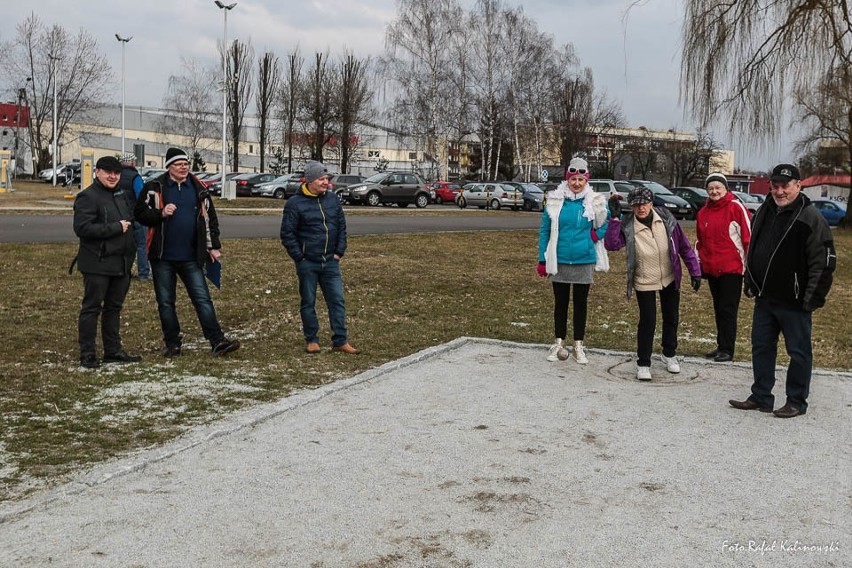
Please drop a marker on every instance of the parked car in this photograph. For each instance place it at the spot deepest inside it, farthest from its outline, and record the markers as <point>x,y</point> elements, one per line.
<point>294,183</point>
<point>833,211</point>
<point>547,186</point>
<point>151,173</point>
<point>340,184</point>
<point>620,188</point>
<point>216,187</point>
<point>402,188</point>
<point>751,203</point>
<point>277,187</point>
<point>445,191</point>
<point>533,195</point>
<point>695,196</point>
<point>46,174</point>
<point>677,206</point>
<point>70,174</point>
<point>491,195</point>
<point>247,183</point>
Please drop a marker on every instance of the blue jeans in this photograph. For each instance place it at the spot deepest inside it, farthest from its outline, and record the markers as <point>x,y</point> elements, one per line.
<point>140,233</point>
<point>769,320</point>
<point>327,275</point>
<point>166,273</point>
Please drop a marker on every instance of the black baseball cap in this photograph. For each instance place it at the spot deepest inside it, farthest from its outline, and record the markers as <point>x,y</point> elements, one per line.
<point>109,164</point>
<point>785,172</point>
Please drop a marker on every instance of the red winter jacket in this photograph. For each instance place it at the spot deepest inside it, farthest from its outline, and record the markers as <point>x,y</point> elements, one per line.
<point>723,230</point>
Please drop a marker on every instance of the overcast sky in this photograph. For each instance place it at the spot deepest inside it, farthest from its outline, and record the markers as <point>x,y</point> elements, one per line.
<point>635,56</point>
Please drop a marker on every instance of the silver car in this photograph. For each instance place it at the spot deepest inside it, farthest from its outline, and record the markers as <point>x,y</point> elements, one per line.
<point>491,195</point>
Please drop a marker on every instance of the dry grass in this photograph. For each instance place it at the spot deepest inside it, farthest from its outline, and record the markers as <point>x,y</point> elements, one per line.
<point>404,293</point>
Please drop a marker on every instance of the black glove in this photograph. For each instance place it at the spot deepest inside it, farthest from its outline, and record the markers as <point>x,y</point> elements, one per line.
<point>614,206</point>
<point>696,282</point>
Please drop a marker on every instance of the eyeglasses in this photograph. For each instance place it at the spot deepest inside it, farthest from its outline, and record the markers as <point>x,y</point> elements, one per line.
<point>581,171</point>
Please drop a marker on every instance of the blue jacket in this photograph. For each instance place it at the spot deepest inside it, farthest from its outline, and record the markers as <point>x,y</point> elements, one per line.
<point>574,244</point>
<point>313,227</point>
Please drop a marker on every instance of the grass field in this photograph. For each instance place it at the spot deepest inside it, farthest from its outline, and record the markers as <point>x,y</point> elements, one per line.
<point>404,293</point>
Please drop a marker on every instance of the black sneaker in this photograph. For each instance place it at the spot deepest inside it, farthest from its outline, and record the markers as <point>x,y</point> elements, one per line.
<point>225,346</point>
<point>171,351</point>
<point>122,357</point>
<point>89,362</point>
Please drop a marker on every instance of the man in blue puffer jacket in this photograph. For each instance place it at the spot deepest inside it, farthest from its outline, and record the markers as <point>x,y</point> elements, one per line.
<point>313,230</point>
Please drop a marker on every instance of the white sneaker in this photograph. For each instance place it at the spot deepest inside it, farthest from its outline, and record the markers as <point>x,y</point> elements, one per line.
<point>672,365</point>
<point>557,351</point>
<point>580,353</point>
<point>643,373</point>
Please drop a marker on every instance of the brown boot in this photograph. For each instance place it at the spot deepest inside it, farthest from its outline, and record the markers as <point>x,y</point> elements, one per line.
<point>312,348</point>
<point>346,348</point>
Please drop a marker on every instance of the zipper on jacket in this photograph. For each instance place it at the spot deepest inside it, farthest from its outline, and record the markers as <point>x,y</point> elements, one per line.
<point>796,285</point>
<point>325,226</point>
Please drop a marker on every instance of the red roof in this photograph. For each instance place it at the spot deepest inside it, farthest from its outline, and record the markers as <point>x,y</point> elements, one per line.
<point>842,181</point>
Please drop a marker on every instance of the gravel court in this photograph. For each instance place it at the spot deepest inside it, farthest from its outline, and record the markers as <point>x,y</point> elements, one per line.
<point>475,453</point>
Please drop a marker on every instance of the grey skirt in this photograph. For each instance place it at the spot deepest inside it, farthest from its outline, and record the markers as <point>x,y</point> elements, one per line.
<point>574,274</point>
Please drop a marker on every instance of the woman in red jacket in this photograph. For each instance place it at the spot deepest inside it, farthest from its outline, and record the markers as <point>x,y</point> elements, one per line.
<point>723,229</point>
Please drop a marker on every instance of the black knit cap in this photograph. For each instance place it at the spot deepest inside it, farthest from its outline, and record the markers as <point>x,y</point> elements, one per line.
<point>175,154</point>
<point>109,164</point>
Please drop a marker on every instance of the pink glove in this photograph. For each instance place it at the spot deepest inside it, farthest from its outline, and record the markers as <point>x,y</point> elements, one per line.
<point>594,236</point>
<point>541,268</point>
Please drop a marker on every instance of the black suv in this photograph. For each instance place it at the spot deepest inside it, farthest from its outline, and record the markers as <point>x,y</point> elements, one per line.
<point>340,184</point>
<point>401,188</point>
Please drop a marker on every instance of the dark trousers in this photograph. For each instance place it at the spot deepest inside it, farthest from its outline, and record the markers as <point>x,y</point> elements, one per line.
<point>140,233</point>
<point>670,308</point>
<point>166,273</point>
<point>561,299</point>
<point>769,320</point>
<point>726,291</point>
<point>103,296</point>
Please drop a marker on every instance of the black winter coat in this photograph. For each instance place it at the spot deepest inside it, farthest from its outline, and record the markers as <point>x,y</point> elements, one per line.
<point>149,211</point>
<point>104,247</point>
<point>791,257</point>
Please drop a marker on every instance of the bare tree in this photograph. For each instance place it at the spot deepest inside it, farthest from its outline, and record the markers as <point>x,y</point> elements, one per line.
<point>289,101</point>
<point>418,63</point>
<point>742,60</point>
<point>688,160</point>
<point>826,113</point>
<point>572,110</point>
<point>354,97</point>
<point>189,107</point>
<point>318,103</point>
<point>83,77</point>
<point>268,78</point>
<point>239,60</point>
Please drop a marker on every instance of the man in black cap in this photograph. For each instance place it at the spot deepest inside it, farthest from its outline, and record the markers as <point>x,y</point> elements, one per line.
<point>789,272</point>
<point>103,221</point>
<point>185,236</point>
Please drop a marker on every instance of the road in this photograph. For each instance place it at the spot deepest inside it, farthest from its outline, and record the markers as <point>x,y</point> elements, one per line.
<point>57,228</point>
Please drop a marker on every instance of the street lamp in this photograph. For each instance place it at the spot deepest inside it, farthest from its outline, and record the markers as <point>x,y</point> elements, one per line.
<point>55,58</point>
<point>123,41</point>
<point>225,9</point>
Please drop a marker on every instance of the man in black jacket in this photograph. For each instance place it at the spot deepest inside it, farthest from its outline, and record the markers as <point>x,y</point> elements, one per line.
<point>103,221</point>
<point>185,228</point>
<point>791,261</point>
<point>313,230</point>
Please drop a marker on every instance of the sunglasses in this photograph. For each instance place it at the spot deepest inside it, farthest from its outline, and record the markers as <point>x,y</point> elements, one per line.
<point>581,171</point>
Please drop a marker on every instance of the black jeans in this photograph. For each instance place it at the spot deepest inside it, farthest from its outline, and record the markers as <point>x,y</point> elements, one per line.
<point>670,307</point>
<point>103,296</point>
<point>769,321</point>
<point>561,299</point>
<point>726,291</point>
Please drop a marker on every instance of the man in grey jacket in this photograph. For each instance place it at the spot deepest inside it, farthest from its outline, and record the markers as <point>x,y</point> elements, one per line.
<point>103,220</point>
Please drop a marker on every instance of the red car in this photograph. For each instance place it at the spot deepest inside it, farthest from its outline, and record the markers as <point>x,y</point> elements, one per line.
<point>445,191</point>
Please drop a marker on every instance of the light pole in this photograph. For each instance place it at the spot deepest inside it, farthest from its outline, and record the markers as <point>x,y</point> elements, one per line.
<point>225,9</point>
<point>55,115</point>
<point>123,41</point>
